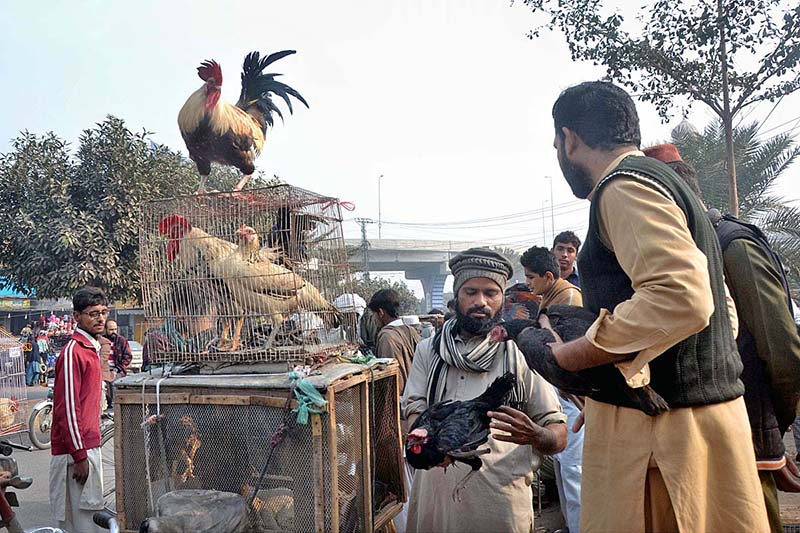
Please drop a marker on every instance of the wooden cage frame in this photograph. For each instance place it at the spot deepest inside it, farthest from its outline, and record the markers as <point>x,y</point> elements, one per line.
<point>129,391</point>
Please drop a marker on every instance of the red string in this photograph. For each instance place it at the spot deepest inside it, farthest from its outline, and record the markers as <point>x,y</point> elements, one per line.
<point>349,206</point>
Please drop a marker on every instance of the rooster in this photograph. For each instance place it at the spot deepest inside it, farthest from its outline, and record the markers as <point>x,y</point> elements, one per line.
<point>570,323</point>
<point>451,431</point>
<point>259,285</point>
<point>218,132</point>
<point>199,256</point>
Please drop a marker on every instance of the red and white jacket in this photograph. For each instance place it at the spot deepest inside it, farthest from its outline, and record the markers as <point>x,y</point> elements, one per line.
<point>76,397</point>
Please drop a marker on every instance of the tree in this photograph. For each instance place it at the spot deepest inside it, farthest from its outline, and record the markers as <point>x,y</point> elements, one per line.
<point>67,221</point>
<point>367,286</point>
<point>760,163</point>
<point>728,54</point>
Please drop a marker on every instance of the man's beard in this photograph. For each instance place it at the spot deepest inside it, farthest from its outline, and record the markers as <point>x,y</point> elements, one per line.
<point>476,326</point>
<point>577,178</point>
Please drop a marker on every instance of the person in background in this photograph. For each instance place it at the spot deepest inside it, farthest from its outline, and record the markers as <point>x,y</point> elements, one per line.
<point>121,355</point>
<point>395,340</point>
<point>33,359</point>
<point>566,246</point>
<point>542,276</point>
<point>76,468</point>
<point>767,338</point>
<point>451,309</point>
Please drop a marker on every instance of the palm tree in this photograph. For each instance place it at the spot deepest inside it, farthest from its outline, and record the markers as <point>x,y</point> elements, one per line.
<point>759,163</point>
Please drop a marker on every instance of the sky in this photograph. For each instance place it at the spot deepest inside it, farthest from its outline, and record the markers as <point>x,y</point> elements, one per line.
<point>447,100</point>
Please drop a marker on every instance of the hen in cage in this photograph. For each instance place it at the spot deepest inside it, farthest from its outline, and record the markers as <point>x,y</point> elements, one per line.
<point>270,302</point>
<point>251,281</point>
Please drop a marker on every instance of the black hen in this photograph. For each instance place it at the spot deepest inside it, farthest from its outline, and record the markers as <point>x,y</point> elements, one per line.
<point>451,431</point>
<point>570,323</point>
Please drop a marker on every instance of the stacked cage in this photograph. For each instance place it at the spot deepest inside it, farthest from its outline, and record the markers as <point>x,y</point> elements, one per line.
<point>13,390</point>
<point>340,472</point>
<point>245,276</point>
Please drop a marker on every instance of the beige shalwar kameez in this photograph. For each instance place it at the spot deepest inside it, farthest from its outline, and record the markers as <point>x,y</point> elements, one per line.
<point>498,497</point>
<point>690,469</point>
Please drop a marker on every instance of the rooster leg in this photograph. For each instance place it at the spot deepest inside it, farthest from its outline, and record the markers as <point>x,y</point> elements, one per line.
<point>237,334</point>
<point>201,188</point>
<point>460,486</point>
<point>225,343</point>
<point>474,461</point>
<point>242,182</point>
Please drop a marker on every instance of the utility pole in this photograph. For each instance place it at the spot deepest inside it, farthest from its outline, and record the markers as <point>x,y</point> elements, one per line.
<point>365,244</point>
<point>552,218</point>
<point>379,206</point>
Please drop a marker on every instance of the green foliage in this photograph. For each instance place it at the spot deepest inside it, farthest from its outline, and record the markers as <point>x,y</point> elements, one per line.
<point>759,164</point>
<point>70,220</point>
<point>673,49</point>
<point>367,286</point>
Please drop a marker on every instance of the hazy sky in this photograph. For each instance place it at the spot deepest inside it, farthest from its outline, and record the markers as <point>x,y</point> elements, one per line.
<point>448,100</point>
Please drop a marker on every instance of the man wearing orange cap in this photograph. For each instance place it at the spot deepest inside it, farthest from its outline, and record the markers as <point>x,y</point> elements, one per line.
<point>767,340</point>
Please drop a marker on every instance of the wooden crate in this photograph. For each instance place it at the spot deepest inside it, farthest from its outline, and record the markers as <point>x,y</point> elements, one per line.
<point>215,434</point>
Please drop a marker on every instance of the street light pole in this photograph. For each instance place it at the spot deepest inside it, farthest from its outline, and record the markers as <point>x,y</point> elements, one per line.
<point>379,206</point>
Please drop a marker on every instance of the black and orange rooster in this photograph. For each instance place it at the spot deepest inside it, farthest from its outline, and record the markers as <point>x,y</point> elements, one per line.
<point>218,132</point>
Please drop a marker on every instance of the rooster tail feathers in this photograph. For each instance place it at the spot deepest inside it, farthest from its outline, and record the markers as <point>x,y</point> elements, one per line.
<point>257,86</point>
<point>497,392</point>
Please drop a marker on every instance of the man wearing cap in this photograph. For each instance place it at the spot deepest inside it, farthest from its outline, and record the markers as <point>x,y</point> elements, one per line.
<point>767,339</point>
<point>459,363</point>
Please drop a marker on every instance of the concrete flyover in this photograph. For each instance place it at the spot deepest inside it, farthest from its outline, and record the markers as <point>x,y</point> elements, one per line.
<point>425,261</point>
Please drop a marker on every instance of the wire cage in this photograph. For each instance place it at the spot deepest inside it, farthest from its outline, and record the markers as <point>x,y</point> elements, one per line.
<point>342,472</point>
<point>13,389</point>
<point>245,276</point>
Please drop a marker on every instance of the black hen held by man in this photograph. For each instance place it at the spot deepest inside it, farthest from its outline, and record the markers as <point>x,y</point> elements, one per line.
<point>570,323</point>
<point>453,431</point>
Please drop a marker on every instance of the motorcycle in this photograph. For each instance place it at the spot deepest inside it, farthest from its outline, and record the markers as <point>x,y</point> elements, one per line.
<point>41,420</point>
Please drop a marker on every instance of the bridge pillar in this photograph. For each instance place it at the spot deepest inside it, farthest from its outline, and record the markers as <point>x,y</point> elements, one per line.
<point>432,279</point>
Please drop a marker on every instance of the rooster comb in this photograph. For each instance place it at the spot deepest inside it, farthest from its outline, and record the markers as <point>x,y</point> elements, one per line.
<point>210,69</point>
<point>171,221</point>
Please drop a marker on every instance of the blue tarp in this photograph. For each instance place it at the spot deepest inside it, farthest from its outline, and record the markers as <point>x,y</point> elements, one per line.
<point>8,292</point>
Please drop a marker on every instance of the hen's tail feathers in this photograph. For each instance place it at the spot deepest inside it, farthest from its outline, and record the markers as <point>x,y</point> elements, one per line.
<point>496,394</point>
<point>257,86</point>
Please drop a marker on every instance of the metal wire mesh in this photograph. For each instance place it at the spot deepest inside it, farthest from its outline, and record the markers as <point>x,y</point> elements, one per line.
<point>243,276</point>
<point>13,389</point>
<point>349,455</point>
<point>220,447</point>
<point>388,486</point>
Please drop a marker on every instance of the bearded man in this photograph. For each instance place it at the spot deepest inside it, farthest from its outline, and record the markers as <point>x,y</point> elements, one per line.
<point>651,268</point>
<point>459,363</point>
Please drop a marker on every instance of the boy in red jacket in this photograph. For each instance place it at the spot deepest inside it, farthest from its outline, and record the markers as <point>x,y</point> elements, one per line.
<point>76,473</point>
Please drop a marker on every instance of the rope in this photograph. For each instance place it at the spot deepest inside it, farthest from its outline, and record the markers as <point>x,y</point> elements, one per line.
<point>308,397</point>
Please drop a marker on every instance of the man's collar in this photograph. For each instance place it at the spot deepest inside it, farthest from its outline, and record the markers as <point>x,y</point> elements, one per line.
<point>83,336</point>
<point>614,164</point>
<point>395,322</point>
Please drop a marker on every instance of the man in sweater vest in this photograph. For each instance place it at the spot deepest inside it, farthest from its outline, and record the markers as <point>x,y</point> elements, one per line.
<point>767,340</point>
<point>651,268</point>
<point>76,469</point>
